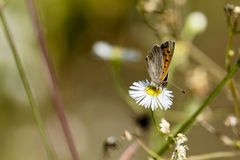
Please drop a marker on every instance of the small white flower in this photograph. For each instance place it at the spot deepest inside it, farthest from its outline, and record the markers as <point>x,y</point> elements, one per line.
<point>195,23</point>
<point>180,152</point>
<point>149,96</point>
<point>108,52</point>
<point>180,149</point>
<point>102,49</point>
<point>180,139</point>
<point>231,121</point>
<point>164,126</point>
<point>236,11</point>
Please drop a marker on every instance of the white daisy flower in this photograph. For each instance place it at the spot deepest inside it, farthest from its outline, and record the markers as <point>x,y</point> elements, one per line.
<point>164,126</point>
<point>150,96</point>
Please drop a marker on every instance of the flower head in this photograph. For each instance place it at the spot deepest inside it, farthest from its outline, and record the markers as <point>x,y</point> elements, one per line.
<point>180,149</point>
<point>196,23</point>
<point>180,152</point>
<point>108,52</point>
<point>180,139</point>
<point>150,96</point>
<point>231,121</point>
<point>164,126</point>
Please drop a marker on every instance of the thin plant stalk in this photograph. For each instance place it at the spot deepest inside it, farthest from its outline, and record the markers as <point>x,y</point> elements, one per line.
<point>148,150</point>
<point>155,122</point>
<point>228,62</point>
<point>35,110</point>
<point>54,89</point>
<point>215,155</point>
<point>188,122</point>
<point>129,153</point>
<point>115,71</point>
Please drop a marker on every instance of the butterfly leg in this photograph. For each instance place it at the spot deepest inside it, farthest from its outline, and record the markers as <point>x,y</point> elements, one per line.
<point>165,81</point>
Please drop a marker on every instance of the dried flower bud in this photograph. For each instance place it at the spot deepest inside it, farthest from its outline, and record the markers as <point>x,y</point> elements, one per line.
<point>180,149</point>
<point>180,153</point>
<point>231,121</point>
<point>180,139</point>
<point>111,143</point>
<point>164,126</point>
<point>127,135</point>
<point>229,9</point>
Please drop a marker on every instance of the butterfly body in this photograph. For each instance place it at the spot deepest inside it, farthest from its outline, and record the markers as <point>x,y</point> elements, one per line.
<point>159,59</point>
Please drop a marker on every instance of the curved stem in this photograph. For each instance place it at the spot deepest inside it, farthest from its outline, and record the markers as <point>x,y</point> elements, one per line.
<point>36,112</point>
<point>185,125</point>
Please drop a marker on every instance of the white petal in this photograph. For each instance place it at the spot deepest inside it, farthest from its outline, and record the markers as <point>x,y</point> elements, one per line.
<point>138,93</point>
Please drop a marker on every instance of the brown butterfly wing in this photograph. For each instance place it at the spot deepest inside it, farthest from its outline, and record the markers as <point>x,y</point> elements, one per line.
<point>155,62</point>
<point>158,59</point>
<point>167,50</point>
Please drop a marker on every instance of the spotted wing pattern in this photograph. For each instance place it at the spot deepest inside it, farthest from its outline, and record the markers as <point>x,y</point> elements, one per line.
<point>167,49</point>
<point>158,59</point>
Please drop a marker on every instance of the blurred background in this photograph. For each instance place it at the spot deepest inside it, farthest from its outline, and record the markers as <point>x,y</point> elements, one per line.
<point>77,32</point>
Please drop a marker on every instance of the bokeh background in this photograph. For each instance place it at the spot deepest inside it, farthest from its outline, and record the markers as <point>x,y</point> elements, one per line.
<point>93,106</point>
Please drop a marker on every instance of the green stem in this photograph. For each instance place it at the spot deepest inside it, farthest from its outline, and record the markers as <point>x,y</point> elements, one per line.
<point>149,151</point>
<point>234,92</point>
<point>228,63</point>
<point>214,155</point>
<point>185,125</point>
<point>155,122</point>
<point>229,46</point>
<point>115,70</point>
<point>36,112</point>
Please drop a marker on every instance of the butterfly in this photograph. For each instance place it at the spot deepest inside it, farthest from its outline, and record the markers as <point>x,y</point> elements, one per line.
<point>158,60</point>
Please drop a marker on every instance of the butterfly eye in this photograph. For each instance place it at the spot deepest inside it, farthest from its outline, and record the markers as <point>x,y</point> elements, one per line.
<point>146,59</point>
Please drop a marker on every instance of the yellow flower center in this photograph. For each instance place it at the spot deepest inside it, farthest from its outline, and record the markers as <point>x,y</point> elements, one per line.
<point>153,91</point>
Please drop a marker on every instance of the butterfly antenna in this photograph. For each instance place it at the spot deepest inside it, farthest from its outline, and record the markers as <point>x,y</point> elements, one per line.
<point>180,89</point>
